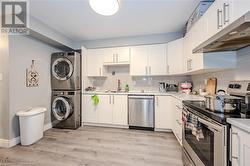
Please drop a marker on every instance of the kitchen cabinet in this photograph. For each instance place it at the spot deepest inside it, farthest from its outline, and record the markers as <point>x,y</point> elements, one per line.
<point>175,57</point>
<point>238,8</point>
<point>157,60</point>
<point>177,123</point>
<point>240,147</point>
<point>204,62</point>
<point>95,60</point>
<point>105,110</point>
<point>111,110</point>
<point>116,55</point>
<point>139,61</point>
<point>148,60</point>
<point>120,109</point>
<point>163,113</point>
<point>89,110</point>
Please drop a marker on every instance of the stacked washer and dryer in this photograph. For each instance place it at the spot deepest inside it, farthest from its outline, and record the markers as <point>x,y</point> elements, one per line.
<point>66,90</point>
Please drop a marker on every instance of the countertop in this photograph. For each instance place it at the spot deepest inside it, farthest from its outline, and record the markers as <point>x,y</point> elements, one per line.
<point>243,124</point>
<point>177,95</point>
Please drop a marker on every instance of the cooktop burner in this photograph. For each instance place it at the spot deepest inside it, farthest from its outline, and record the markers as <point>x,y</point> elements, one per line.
<point>198,107</point>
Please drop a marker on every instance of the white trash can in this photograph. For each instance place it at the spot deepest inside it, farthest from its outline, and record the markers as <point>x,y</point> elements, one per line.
<point>31,125</point>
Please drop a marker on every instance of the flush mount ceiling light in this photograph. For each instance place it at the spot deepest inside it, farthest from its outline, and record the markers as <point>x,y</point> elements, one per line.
<point>104,7</point>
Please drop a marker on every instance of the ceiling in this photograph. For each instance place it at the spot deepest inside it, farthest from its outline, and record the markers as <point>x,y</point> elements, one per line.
<point>76,20</point>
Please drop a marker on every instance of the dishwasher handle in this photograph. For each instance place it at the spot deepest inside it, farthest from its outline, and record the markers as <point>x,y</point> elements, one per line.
<point>140,97</point>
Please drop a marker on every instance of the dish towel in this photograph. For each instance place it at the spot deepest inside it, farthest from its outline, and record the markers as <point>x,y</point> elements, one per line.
<point>95,99</point>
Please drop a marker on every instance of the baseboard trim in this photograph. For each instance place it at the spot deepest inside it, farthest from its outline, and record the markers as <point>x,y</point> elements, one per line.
<point>47,126</point>
<point>105,125</point>
<point>5,143</point>
<point>163,130</point>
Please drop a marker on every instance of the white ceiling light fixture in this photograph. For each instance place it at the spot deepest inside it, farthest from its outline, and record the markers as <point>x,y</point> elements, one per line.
<point>104,7</point>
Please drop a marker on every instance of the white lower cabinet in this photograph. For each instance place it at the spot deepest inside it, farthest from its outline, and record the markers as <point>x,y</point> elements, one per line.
<point>177,124</point>
<point>163,113</point>
<point>240,147</point>
<point>168,115</point>
<point>111,110</point>
<point>120,109</point>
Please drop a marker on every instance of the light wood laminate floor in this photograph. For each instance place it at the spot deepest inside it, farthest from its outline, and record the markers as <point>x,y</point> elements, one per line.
<point>96,146</point>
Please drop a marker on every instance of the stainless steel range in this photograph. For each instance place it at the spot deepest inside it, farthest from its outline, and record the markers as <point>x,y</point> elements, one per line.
<point>206,140</point>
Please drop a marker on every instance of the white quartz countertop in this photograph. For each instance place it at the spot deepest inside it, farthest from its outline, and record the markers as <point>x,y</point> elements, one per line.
<point>177,95</point>
<point>243,124</point>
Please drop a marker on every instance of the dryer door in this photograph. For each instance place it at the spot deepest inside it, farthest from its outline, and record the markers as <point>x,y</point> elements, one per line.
<point>61,108</point>
<point>62,69</point>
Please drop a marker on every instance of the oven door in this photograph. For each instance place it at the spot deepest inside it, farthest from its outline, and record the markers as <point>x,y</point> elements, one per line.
<point>204,140</point>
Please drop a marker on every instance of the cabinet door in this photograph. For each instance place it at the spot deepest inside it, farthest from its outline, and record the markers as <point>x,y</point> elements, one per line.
<point>89,110</point>
<point>175,56</point>
<point>214,16</point>
<point>105,115</point>
<point>95,62</point>
<point>109,55</point>
<point>157,60</point>
<point>163,112</point>
<point>240,147</point>
<point>238,8</point>
<point>139,61</point>
<point>120,109</point>
<point>123,54</point>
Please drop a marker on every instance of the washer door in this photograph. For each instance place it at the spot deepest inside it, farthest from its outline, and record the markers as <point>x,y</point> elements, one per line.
<point>62,69</point>
<point>61,108</point>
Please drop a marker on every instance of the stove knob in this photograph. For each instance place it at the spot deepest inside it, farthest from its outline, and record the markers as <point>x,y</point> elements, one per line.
<point>231,86</point>
<point>237,86</point>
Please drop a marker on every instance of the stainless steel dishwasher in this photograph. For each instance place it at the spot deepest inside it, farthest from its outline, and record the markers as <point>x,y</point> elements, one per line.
<point>141,112</point>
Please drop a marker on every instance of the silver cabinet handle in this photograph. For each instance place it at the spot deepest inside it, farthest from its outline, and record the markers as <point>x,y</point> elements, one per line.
<point>116,57</point>
<point>189,64</point>
<point>149,70</point>
<point>146,70</point>
<point>226,12</point>
<point>113,99</point>
<point>109,99</point>
<point>219,14</point>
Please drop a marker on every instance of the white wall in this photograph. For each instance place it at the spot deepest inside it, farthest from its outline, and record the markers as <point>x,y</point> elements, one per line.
<point>4,83</point>
<point>241,72</point>
<point>129,41</point>
<point>22,51</point>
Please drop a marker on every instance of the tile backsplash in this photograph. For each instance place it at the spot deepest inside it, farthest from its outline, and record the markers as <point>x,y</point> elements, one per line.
<point>241,72</point>
<point>135,83</point>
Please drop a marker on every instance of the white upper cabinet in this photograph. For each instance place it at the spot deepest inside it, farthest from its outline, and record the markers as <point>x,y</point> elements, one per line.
<point>157,60</point>
<point>139,61</point>
<point>117,55</point>
<point>175,56</point>
<point>95,58</point>
<point>148,60</point>
<point>238,8</point>
<point>222,13</point>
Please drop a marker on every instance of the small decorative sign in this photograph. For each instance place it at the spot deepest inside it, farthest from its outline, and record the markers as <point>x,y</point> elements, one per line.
<point>32,76</point>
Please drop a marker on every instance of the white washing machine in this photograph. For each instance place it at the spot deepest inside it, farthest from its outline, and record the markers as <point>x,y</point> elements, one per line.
<point>66,109</point>
<point>66,71</point>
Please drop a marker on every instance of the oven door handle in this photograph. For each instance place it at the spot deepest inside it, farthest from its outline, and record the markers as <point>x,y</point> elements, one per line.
<point>214,127</point>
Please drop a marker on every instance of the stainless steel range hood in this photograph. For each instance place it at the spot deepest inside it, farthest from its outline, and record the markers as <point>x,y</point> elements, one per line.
<point>233,37</point>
